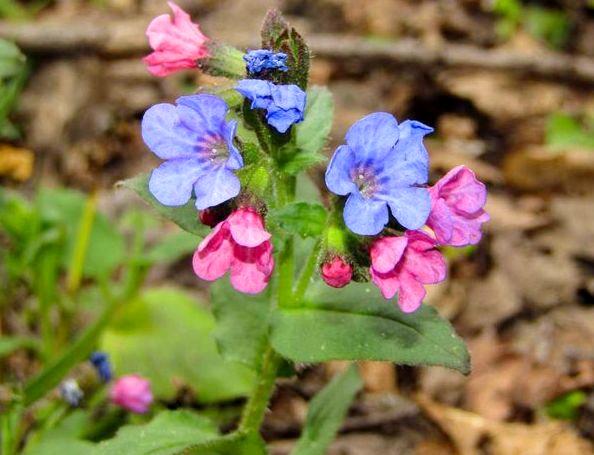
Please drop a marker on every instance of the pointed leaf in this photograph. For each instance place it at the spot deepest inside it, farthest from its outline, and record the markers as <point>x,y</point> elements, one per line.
<point>326,412</point>
<point>356,323</point>
<point>301,218</point>
<point>185,216</point>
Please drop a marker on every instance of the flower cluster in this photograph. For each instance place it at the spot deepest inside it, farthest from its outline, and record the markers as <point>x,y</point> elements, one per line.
<point>133,393</point>
<point>394,221</point>
<point>284,104</point>
<point>260,60</point>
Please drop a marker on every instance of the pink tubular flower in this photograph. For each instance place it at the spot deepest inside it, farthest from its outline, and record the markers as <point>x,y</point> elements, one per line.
<point>457,213</point>
<point>403,265</point>
<point>177,43</point>
<point>241,245</point>
<point>132,392</point>
<point>337,273</point>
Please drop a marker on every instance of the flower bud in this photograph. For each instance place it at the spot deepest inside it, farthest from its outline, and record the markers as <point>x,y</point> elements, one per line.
<point>208,217</point>
<point>336,272</point>
<point>71,392</point>
<point>100,361</point>
<point>132,392</point>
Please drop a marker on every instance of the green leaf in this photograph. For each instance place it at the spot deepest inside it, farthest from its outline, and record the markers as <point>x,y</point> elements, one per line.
<point>231,444</point>
<point>312,133</point>
<point>356,323</point>
<point>12,59</point>
<point>167,337</point>
<point>550,25</point>
<point>563,131</point>
<point>10,344</point>
<point>167,434</point>
<point>301,218</point>
<point>185,216</point>
<point>64,208</point>
<point>326,412</point>
<point>172,248</point>
<point>242,327</point>
<point>566,407</point>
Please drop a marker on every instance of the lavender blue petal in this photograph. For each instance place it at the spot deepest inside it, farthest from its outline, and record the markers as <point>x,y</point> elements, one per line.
<point>210,110</point>
<point>373,137</point>
<point>411,206</point>
<point>171,183</point>
<point>410,142</point>
<point>338,178</point>
<point>365,216</point>
<point>235,160</point>
<point>162,133</point>
<point>215,186</point>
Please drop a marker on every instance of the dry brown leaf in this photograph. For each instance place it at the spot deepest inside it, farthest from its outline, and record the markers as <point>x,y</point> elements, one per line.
<point>472,434</point>
<point>16,163</point>
<point>378,377</point>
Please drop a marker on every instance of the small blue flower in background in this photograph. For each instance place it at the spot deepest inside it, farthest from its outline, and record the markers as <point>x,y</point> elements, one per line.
<point>382,164</point>
<point>284,104</point>
<point>100,361</point>
<point>262,59</point>
<point>71,393</point>
<point>196,143</point>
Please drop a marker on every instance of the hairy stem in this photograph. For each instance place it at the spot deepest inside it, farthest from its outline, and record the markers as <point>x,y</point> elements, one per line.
<point>253,413</point>
<point>306,273</point>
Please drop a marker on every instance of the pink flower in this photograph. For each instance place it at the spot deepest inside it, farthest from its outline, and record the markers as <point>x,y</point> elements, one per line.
<point>132,392</point>
<point>403,265</point>
<point>241,245</point>
<point>177,43</point>
<point>457,202</point>
<point>337,273</point>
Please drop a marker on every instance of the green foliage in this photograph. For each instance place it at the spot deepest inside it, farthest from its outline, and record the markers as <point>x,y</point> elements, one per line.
<point>168,433</point>
<point>312,134</point>
<point>185,216</point>
<point>242,328</point>
<point>563,131</point>
<point>326,413</point>
<point>549,25</point>
<point>64,208</point>
<point>172,247</point>
<point>164,335</point>
<point>356,323</point>
<point>13,74</point>
<point>10,344</point>
<point>300,218</point>
<point>566,407</point>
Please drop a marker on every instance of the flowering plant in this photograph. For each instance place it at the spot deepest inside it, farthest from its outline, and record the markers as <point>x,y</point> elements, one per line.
<point>338,280</point>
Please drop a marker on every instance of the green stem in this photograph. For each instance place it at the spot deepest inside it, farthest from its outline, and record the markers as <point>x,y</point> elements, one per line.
<point>286,274</point>
<point>253,413</point>
<point>306,273</point>
<point>81,244</point>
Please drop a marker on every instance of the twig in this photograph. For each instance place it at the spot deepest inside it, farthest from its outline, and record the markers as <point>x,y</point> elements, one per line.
<point>126,36</point>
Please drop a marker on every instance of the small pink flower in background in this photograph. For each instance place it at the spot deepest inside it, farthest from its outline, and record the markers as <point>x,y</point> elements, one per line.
<point>337,273</point>
<point>457,213</point>
<point>241,245</point>
<point>177,43</point>
<point>403,265</point>
<point>132,392</point>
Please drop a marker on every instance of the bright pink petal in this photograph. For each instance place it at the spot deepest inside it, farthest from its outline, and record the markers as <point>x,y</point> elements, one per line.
<point>247,227</point>
<point>214,254</point>
<point>337,273</point>
<point>132,392</point>
<point>462,190</point>
<point>386,252</point>
<point>387,283</point>
<point>440,221</point>
<point>251,268</point>
<point>467,230</point>
<point>411,293</point>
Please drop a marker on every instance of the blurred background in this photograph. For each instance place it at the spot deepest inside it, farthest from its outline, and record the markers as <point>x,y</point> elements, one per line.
<point>507,84</point>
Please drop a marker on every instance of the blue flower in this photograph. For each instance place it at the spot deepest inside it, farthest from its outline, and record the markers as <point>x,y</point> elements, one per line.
<point>382,164</point>
<point>71,392</point>
<point>284,104</point>
<point>100,361</point>
<point>196,143</point>
<point>262,59</point>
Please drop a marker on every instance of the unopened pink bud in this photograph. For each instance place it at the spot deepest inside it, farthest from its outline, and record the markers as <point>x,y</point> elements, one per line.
<point>132,392</point>
<point>337,273</point>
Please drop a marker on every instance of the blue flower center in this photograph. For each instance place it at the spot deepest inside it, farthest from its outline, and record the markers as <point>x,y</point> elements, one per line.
<point>365,180</point>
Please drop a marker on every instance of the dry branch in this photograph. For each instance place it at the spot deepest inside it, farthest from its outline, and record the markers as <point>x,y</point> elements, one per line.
<point>125,37</point>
